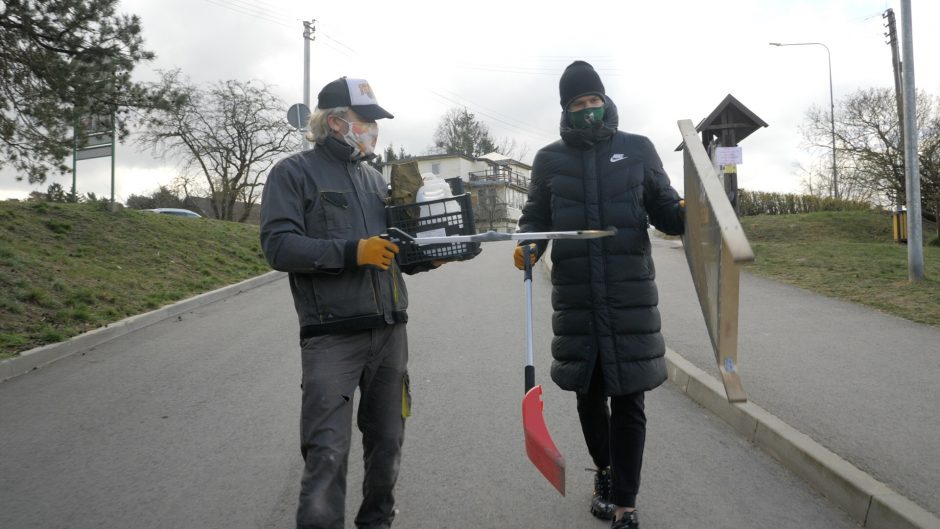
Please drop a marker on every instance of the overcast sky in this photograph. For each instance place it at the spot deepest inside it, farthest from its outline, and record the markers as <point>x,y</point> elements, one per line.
<point>660,61</point>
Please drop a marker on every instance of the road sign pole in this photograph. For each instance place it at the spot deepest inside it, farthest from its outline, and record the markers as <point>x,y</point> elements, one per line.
<point>113,141</point>
<point>74,161</point>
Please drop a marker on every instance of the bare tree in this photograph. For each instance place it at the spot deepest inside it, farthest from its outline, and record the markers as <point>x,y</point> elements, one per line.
<point>490,208</point>
<point>929,159</point>
<point>869,144</point>
<point>512,149</point>
<point>229,134</point>
<point>816,180</point>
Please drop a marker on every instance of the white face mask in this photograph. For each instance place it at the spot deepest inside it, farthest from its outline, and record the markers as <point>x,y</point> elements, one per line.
<point>362,137</point>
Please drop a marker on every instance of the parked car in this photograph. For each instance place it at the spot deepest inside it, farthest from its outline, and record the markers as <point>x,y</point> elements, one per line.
<point>174,211</point>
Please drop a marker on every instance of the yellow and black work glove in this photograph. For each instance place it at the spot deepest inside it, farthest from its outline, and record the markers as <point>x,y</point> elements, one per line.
<point>376,251</point>
<point>518,259</point>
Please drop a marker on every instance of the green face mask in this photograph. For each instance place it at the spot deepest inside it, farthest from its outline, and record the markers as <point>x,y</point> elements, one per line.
<point>586,117</point>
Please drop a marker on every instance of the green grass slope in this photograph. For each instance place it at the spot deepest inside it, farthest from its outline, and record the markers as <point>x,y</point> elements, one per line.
<point>69,268</point>
<point>846,255</point>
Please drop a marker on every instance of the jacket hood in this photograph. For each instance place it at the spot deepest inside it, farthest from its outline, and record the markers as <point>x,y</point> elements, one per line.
<point>587,138</point>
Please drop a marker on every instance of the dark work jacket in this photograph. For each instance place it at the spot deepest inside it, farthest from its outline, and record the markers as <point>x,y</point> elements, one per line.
<point>604,294</point>
<point>315,207</point>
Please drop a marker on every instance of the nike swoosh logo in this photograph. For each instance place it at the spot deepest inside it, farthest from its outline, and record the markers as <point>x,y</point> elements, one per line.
<point>618,157</point>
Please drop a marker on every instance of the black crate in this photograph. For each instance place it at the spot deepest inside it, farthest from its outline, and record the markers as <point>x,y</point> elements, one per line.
<point>441,217</point>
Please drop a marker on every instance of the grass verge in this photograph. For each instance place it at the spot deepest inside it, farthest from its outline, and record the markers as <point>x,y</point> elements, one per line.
<point>69,268</point>
<point>846,255</point>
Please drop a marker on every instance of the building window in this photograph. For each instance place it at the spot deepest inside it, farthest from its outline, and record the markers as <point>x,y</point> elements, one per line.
<point>436,168</point>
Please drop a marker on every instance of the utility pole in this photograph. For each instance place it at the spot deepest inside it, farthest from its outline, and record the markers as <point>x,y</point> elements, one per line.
<point>309,30</point>
<point>915,241</point>
<point>892,35</point>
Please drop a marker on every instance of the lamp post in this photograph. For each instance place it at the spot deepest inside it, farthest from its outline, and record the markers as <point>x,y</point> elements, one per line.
<point>832,109</point>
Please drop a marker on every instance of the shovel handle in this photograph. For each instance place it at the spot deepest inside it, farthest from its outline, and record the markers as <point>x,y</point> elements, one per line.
<point>529,368</point>
<point>527,252</point>
<point>398,236</point>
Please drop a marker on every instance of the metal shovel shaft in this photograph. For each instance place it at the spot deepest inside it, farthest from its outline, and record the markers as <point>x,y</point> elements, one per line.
<point>539,446</point>
<point>398,236</point>
<point>529,356</point>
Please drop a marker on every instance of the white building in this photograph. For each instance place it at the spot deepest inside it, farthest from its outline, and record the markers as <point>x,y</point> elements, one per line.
<point>498,185</point>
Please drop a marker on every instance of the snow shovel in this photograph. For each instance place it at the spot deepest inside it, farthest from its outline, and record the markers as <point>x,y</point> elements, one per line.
<point>538,443</point>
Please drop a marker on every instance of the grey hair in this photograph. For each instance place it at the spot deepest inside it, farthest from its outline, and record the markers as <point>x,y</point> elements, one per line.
<point>317,127</point>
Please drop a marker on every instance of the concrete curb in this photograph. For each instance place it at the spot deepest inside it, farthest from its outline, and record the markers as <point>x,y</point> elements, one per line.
<point>42,356</point>
<point>870,502</point>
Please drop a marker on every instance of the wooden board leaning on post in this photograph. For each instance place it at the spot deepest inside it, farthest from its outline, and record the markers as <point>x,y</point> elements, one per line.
<point>716,248</point>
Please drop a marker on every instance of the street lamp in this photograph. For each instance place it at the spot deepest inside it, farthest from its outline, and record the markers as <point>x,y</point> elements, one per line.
<point>832,109</point>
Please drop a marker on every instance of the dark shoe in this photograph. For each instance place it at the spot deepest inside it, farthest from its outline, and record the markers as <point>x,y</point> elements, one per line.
<point>600,500</point>
<point>627,521</point>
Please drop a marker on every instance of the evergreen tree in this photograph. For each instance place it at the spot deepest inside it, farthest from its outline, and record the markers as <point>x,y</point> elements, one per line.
<point>460,132</point>
<point>63,63</point>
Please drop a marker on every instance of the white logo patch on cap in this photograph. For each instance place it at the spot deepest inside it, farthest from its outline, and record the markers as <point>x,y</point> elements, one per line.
<point>360,93</point>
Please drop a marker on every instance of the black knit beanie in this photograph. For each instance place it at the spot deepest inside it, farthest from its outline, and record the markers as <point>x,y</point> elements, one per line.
<point>578,80</point>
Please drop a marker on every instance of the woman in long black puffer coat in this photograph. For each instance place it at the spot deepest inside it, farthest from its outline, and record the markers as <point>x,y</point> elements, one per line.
<point>606,323</point>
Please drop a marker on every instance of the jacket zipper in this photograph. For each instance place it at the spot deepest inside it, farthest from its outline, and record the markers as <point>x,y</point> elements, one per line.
<point>351,168</point>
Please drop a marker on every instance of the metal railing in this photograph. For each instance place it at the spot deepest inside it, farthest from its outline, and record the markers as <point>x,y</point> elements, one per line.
<point>500,175</point>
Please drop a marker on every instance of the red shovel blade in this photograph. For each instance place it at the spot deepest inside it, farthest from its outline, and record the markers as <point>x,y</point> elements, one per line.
<point>538,443</point>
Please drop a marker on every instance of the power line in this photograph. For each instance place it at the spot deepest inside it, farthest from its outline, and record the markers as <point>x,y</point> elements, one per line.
<point>262,4</point>
<point>608,72</point>
<point>570,57</point>
<point>492,114</point>
<point>255,8</point>
<point>271,14</point>
<point>275,17</point>
<point>507,70</point>
<point>340,43</point>
<point>253,14</point>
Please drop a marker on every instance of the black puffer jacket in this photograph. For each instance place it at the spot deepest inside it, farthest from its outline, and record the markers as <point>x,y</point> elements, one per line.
<point>604,294</point>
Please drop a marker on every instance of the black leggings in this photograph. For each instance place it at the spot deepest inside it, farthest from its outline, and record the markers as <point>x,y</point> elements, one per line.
<point>614,437</point>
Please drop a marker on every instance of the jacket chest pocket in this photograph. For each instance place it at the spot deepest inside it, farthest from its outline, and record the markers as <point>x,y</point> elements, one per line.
<point>332,214</point>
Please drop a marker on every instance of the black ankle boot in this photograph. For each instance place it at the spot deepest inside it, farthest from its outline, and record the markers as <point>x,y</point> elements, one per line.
<point>627,521</point>
<point>600,500</point>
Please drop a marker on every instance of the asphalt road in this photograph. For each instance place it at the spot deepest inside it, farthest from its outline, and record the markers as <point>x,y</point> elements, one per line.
<point>860,382</point>
<point>192,423</point>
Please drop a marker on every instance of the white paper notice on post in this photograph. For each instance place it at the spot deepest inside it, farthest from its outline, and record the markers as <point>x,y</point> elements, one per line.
<point>729,155</point>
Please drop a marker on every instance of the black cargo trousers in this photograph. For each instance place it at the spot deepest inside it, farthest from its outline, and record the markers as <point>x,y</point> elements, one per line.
<point>334,365</point>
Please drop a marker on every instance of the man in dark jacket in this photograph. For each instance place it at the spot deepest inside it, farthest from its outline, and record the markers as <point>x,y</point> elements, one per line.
<point>321,215</point>
<point>607,340</point>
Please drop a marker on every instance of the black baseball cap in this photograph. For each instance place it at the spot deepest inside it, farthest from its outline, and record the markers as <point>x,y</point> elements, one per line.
<point>353,93</point>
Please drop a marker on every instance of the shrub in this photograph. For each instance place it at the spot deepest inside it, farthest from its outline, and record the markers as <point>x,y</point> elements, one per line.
<point>763,203</point>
